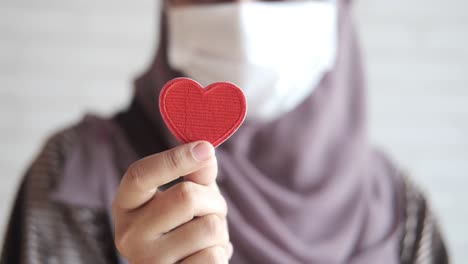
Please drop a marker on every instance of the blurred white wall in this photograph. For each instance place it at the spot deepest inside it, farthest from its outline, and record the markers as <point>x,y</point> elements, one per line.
<point>417,64</point>
<point>59,59</point>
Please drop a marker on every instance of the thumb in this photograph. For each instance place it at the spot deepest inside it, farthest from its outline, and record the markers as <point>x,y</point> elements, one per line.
<point>205,175</point>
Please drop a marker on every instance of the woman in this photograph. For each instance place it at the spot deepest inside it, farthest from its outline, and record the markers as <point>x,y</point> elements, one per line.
<point>299,178</point>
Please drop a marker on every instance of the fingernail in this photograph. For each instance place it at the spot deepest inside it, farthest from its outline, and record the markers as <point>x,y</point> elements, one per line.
<point>202,151</point>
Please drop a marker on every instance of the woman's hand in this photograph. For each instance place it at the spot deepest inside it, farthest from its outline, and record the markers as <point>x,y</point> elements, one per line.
<point>183,224</point>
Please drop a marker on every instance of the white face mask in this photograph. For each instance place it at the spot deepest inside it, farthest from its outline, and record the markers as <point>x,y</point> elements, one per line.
<point>277,53</point>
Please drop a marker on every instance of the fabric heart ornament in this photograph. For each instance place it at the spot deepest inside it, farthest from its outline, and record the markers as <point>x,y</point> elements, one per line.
<point>193,113</point>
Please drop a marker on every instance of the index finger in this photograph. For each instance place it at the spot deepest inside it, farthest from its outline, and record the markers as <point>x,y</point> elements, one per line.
<point>143,177</point>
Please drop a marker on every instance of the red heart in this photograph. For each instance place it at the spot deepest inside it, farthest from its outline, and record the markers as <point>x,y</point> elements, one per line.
<point>193,113</point>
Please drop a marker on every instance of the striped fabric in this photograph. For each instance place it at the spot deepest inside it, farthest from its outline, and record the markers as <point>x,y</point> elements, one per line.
<point>44,231</point>
<point>421,241</point>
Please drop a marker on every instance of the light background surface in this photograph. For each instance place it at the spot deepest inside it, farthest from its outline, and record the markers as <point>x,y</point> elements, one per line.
<point>59,59</point>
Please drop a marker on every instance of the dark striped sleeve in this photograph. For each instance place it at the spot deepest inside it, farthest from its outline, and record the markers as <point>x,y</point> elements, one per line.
<point>44,231</point>
<point>421,240</point>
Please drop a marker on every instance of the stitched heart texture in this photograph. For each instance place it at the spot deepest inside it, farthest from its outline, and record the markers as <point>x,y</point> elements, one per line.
<point>193,113</point>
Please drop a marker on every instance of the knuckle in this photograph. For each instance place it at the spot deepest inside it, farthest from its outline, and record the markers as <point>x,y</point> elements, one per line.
<point>224,205</point>
<point>122,243</point>
<point>213,225</point>
<point>215,255</point>
<point>173,159</point>
<point>229,250</point>
<point>186,195</point>
<point>134,174</point>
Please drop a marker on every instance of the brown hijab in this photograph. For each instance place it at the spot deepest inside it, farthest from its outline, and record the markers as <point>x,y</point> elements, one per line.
<point>305,188</point>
